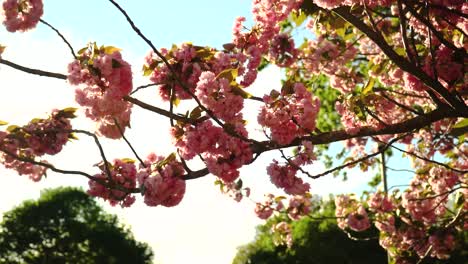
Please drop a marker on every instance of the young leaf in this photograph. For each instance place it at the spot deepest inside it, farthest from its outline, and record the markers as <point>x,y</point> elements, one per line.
<point>241,92</point>
<point>110,49</point>
<point>228,74</point>
<point>369,86</point>
<point>462,123</point>
<point>13,128</point>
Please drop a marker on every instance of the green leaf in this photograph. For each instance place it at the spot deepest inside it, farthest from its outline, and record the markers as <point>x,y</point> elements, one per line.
<point>147,70</point>
<point>110,49</point>
<point>175,101</point>
<point>298,17</point>
<point>2,123</point>
<point>204,52</point>
<point>274,94</point>
<point>239,184</point>
<point>196,113</point>
<point>279,198</point>
<point>462,123</point>
<point>128,160</point>
<point>72,136</point>
<point>68,112</point>
<point>167,160</point>
<point>288,88</point>
<point>13,128</point>
<point>369,86</point>
<point>229,46</point>
<point>241,92</point>
<point>2,49</point>
<point>228,74</point>
<point>116,64</point>
<point>82,51</point>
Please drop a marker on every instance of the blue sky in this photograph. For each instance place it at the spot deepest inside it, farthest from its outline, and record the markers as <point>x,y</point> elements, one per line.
<point>207,226</point>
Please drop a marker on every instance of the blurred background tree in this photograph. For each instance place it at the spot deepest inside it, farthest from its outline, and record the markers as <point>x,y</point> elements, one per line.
<point>317,240</point>
<point>65,225</point>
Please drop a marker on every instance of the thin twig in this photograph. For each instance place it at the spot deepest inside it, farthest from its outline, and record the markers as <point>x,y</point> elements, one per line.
<point>61,36</point>
<point>33,71</point>
<point>384,147</point>
<point>177,77</point>
<point>429,160</point>
<point>143,87</point>
<point>128,142</point>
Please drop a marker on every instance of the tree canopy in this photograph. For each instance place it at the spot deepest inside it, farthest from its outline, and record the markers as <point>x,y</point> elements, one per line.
<point>380,76</point>
<point>65,225</point>
<point>317,239</point>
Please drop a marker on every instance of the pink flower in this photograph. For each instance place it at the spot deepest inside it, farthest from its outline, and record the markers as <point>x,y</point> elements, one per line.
<point>162,184</point>
<point>358,221</point>
<point>21,15</point>
<point>102,88</point>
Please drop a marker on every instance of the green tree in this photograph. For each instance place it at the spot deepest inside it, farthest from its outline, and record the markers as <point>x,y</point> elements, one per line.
<point>65,225</point>
<point>317,240</point>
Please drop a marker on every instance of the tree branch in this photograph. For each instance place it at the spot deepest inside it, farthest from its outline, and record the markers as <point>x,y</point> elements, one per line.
<point>345,13</point>
<point>61,36</point>
<point>33,71</point>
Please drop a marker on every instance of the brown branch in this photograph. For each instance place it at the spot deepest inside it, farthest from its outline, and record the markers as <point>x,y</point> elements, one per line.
<point>33,71</point>
<point>439,194</point>
<point>54,169</point>
<point>351,163</point>
<point>101,152</point>
<point>407,108</point>
<point>401,62</point>
<point>402,17</point>
<point>161,111</point>
<point>128,142</point>
<point>143,87</point>
<point>432,29</point>
<point>177,78</point>
<point>429,160</point>
<point>61,36</point>
<point>409,125</point>
<point>196,174</point>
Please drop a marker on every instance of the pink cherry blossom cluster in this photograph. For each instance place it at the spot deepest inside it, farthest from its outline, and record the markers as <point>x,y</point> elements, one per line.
<point>267,14</point>
<point>122,174</point>
<point>234,189</point>
<point>271,204</point>
<point>417,227</point>
<point>37,138</point>
<point>187,62</point>
<point>284,175</point>
<point>104,78</point>
<point>282,50</point>
<point>423,242</point>
<point>298,206</point>
<point>282,234</point>
<point>351,214</point>
<point>218,96</point>
<point>448,67</point>
<point>160,179</point>
<point>290,114</point>
<point>21,15</point>
<point>438,182</point>
<point>330,55</point>
<point>330,4</point>
<point>223,154</point>
<point>265,37</point>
